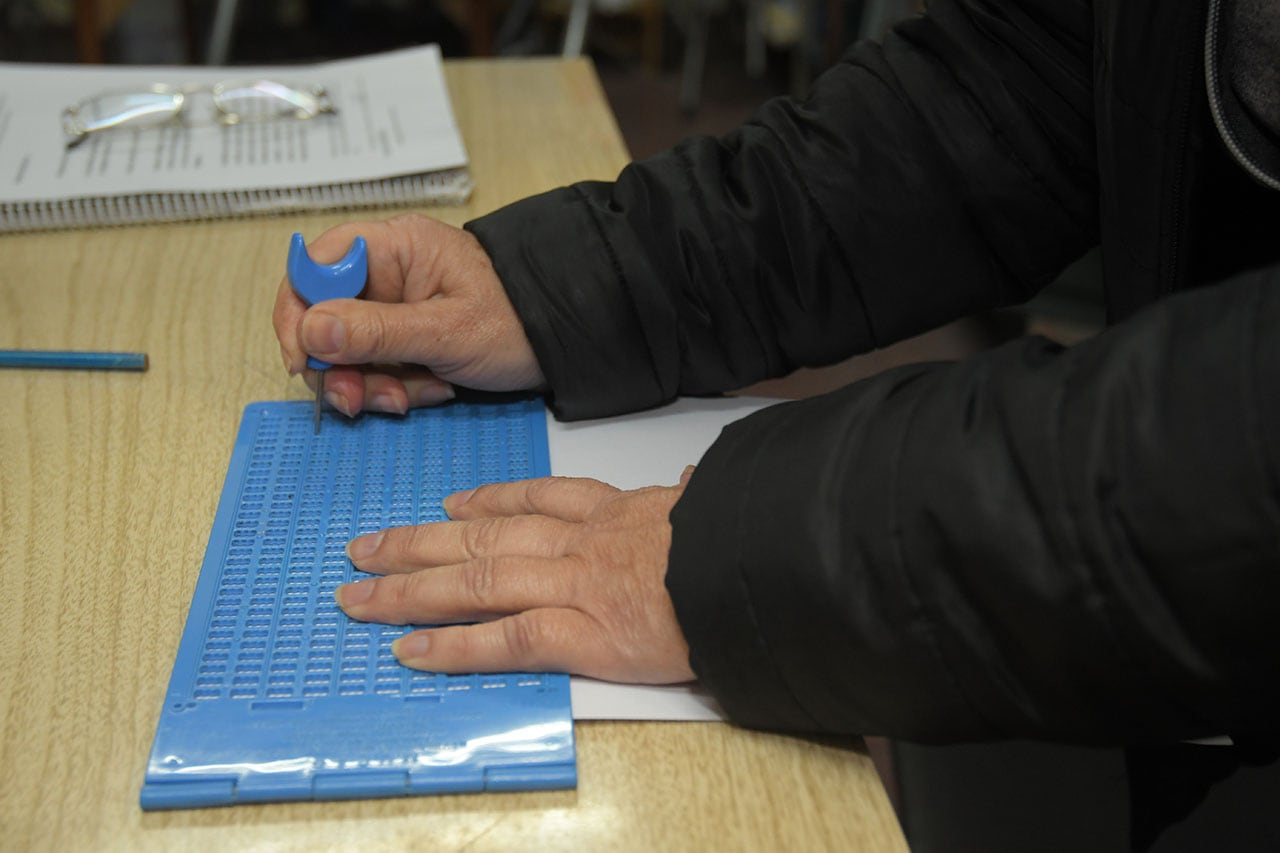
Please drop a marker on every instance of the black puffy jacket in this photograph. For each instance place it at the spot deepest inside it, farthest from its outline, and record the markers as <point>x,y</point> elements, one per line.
<point>1074,544</point>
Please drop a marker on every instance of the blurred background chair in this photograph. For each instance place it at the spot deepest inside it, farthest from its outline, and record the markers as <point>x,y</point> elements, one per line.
<point>489,23</point>
<point>671,68</point>
<point>811,32</point>
<point>93,19</point>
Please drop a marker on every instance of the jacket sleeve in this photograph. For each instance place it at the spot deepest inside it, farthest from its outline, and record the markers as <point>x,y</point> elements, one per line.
<point>1075,544</point>
<point>950,170</point>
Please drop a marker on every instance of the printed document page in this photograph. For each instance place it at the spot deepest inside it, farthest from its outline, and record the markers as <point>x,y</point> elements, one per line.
<point>393,117</point>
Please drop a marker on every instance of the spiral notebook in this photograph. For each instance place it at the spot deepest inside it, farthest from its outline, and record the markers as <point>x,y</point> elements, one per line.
<point>391,141</point>
<point>275,693</point>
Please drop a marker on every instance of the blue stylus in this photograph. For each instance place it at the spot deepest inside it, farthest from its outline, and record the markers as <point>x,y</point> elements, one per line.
<point>73,359</point>
<point>317,282</point>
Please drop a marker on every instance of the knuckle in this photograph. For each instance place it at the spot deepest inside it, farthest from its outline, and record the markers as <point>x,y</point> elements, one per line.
<point>408,220</point>
<point>279,310</point>
<point>522,635</point>
<point>393,598</point>
<point>409,543</point>
<point>372,338</point>
<point>479,577</point>
<point>481,537</point>
<point>540,490</point>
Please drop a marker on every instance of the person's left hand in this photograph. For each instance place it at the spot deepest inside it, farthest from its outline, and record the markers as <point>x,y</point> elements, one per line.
<point>558,574</point>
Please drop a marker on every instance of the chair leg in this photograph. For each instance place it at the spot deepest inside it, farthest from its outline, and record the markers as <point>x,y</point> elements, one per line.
<point>755,48</point>
<point>224,17</point>
<point>695,60</point>
<point>513,25</point>
<point>88,31</point>
<point>575,30</point>
<point>187,17</point>
<point>654,18</point>
<point>876,15</point>
<point>802,51</point>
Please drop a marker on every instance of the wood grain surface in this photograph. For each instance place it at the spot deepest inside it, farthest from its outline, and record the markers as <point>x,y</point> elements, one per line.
<point>108,486</point>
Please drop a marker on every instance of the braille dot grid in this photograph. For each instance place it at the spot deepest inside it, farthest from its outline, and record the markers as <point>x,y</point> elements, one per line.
<point>275,631</point>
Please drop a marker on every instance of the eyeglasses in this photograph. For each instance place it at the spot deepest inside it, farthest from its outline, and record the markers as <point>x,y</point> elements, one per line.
<point>160,104</point>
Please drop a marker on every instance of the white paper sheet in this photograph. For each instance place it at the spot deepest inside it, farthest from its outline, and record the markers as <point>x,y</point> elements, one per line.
<point>645,449</point>
<point>393,118</point>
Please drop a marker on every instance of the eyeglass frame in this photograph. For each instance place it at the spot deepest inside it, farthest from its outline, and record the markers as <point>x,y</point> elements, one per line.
<point>77,132</point>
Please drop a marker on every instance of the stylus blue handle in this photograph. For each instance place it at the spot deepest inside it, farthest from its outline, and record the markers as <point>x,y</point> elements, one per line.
<point>317,282</point>
<point>73,359</point>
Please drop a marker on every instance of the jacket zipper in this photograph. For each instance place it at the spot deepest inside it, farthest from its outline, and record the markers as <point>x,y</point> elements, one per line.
<point>1174,278</point>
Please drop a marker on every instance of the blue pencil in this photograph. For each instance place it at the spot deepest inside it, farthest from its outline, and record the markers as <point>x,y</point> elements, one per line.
<point>73,360</point>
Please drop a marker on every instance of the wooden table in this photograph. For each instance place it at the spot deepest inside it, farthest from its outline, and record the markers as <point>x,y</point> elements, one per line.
<point>108,486</point>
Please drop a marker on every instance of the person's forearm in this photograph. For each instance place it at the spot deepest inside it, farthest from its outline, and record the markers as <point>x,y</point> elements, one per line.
<point>1064,544</point>
<point>950,171</point>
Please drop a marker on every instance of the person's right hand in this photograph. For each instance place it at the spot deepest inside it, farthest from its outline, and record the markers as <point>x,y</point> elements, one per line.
<point>433,314</point>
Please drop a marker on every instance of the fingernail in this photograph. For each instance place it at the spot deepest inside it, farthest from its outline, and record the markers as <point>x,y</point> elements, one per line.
<point>411,646</point>
<point>362,547</point>
<point>431,393</point>
<point>339,401</point>
<point>455,501</point>
<point>687,473</point>
<point>387,403</point>
<point>322,333</point>
<point>288,363</point>
<point>354,594</point>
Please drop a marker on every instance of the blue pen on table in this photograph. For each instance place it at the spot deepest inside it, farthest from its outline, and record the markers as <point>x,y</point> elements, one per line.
<point>73,359</point>
<point>318,282</point>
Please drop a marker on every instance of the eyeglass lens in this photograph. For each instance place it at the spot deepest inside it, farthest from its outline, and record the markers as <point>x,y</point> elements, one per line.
<point>235,102</point>
<point>112,109</point>
<point>265,99</point>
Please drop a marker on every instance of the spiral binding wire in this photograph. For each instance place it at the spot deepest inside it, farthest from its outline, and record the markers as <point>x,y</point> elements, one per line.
<point>450,186</point>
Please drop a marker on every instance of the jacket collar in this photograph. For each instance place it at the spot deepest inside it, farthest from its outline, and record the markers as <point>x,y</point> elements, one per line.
<point>1252,144</point>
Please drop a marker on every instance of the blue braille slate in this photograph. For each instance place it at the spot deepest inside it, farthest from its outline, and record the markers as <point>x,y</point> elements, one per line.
<point>278,695</point>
